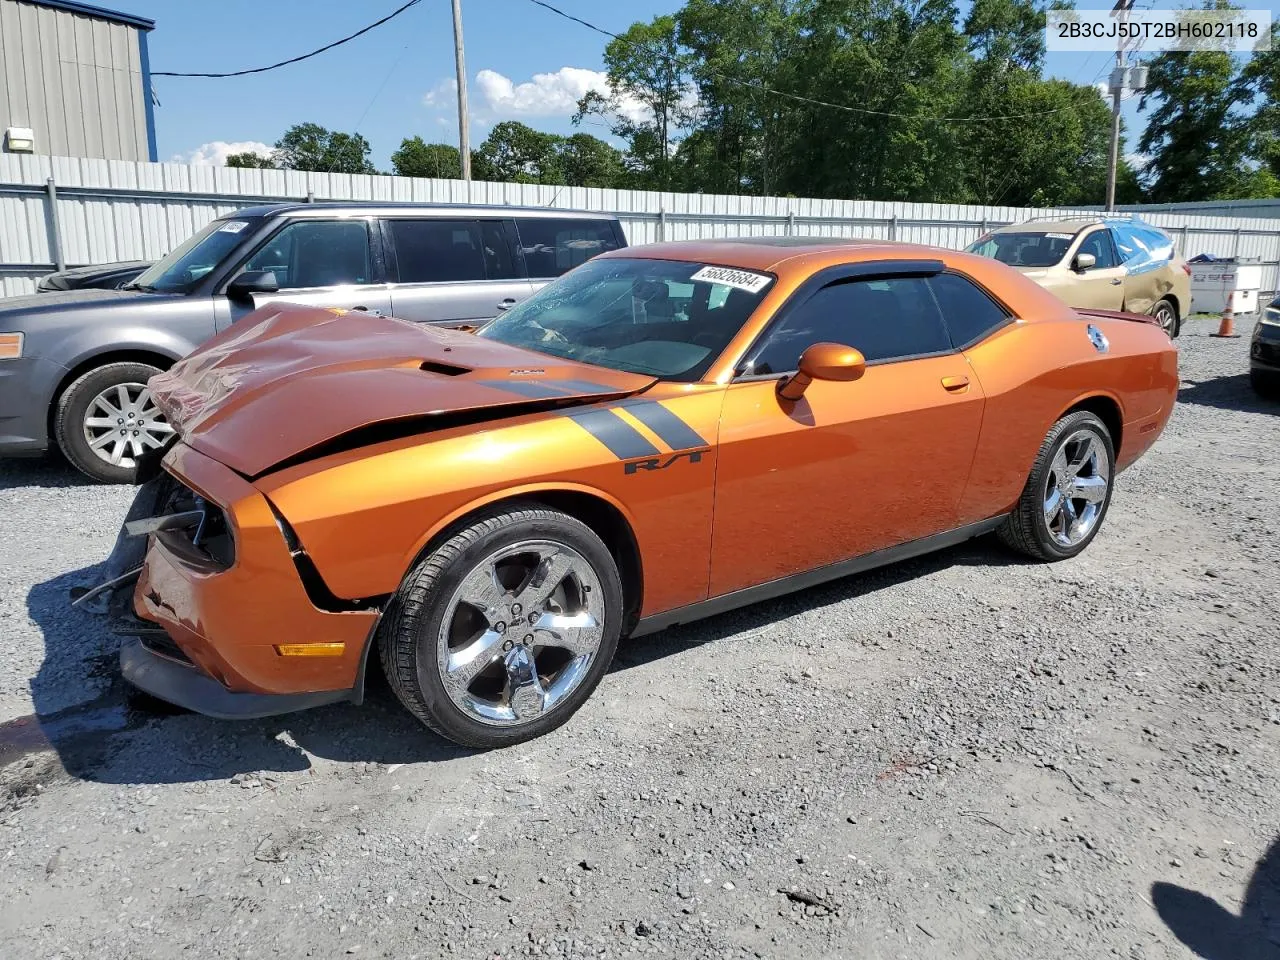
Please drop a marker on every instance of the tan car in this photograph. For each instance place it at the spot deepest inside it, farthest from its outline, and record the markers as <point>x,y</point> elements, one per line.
<point>1098,264</point>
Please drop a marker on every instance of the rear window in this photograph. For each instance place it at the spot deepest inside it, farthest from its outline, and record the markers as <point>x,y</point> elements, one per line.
<point>553,246</point>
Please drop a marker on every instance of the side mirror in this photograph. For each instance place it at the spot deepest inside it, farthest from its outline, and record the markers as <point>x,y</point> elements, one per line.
<point>823,361</point>
<point>250,282</point>
<point>1083,262</point>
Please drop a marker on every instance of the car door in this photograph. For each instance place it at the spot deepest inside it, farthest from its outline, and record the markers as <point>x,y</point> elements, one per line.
<point>323,263</point>
<point>850,468</point>
<point>1146,253</point>
<point>453,271</point>
<point>1101,286</point>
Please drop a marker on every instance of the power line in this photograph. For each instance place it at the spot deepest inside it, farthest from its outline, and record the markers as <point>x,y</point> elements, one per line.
<point>761,88</point>
<point>305,56</point>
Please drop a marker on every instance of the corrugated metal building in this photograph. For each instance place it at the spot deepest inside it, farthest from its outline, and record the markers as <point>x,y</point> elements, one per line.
<point>78,76</point>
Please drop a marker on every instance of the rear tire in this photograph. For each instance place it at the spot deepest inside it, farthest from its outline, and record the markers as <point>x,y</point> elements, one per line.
<point>80,415</point>
<point>1068,492</point>
<point>1167,314</point>
<point>504,630</point>
<point>1265,384</point>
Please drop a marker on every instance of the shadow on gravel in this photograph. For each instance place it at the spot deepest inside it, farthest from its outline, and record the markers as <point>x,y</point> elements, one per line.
<point>1227,393</point>
<point>123,737</point>
<point>47,471</point>
<point>980,552</point>
<point>1213,932</point>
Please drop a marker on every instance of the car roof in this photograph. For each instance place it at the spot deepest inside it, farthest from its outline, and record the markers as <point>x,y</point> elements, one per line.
<point>362,208</point>
<point>1070,224</point>
<point>768,253</point>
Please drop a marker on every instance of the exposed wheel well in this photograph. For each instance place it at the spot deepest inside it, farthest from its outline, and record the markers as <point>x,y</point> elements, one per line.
<point>101,360</point>
<point>1106,410</point>
<point>1177,307</point>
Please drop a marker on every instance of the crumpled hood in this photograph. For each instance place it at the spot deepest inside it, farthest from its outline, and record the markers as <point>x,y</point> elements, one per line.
<point>287,379</point>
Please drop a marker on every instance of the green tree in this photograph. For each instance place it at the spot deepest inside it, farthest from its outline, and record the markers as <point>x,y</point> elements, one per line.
<point>646,69</point>
<point>416,158</point>
<point>515,152</point>
<point>1258,87</point>
<point>250,160</point>
<point>309,146</point>
<point>588,161</point>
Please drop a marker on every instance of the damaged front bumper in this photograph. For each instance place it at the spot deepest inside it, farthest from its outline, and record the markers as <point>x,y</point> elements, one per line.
<point>209,595</point>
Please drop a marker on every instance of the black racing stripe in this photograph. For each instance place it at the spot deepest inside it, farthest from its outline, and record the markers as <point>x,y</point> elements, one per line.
<point>532,389</point>
<point>623,440</point>
<point>670,429</point>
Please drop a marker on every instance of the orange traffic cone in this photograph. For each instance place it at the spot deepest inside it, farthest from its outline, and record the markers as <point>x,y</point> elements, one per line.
<point>1226,326</point>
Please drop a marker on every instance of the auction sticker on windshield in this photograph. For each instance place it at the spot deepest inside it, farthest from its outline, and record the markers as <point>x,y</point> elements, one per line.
<point>233,226</point>
<point>739,279</point>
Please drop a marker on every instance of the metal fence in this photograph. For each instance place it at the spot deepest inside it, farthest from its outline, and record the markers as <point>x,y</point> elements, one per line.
<point>58,211</point>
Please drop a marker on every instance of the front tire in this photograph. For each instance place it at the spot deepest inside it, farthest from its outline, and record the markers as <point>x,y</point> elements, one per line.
<point>1068,492</point>
<point>504,630</point>
<point>1167,316</point>
<point>106,420</point>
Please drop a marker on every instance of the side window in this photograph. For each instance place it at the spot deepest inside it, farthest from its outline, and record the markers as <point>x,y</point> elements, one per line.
<point>430,251</point>
<point>1099,244</point>
<point>969,312</point>
<point>321,253</point>
<point>555,246</point>
<point>886,319</point>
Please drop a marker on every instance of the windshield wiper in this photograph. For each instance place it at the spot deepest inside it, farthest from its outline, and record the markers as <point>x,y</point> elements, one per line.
<point>144,287</point>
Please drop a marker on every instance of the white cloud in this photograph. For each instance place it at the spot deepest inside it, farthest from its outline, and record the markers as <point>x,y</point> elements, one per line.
<point>548,94</point>
<point>215,153</point>
<point>443,94</point>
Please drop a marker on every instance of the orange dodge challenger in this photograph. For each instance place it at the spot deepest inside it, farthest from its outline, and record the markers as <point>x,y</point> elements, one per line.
<point>664,433</point>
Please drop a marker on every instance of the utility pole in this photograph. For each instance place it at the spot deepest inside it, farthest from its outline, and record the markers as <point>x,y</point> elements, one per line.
<point>1121,12</point>
<point>464,121</point>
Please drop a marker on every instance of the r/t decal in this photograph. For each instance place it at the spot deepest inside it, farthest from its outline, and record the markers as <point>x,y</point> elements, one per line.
<point>662,463</point>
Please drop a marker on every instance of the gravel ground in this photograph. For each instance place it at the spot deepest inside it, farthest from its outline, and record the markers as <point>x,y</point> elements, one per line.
<point>961,756</point>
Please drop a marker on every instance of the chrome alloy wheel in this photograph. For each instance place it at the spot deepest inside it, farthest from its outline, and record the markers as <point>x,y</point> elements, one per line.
<point>122,422</point>
<point>520,632</point>
<point>1076,488</point>
<point>1165,316</point>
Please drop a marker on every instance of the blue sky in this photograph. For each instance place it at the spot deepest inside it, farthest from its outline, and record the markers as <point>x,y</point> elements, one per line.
<point>522,63</point>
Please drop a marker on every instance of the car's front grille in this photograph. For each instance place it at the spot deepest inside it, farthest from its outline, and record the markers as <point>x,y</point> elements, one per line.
<point>206,536</point>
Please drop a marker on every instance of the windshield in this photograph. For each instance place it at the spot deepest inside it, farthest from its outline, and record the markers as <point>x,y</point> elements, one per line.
<point>1023,249</point>
<point>664,318</point>
<point>181,270</point>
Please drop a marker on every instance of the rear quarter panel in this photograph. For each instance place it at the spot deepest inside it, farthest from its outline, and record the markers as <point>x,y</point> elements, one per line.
<point>365,516</point>
<point>1033,372</point>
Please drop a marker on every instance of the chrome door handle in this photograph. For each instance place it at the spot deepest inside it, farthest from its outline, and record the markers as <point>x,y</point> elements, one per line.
<point>1116,282</point>
<point>955,384</point>
<point>507,304</point>
<point>361,308</point>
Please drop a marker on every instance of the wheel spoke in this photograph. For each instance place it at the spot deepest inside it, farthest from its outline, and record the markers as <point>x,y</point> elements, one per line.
<point>551,570</point>
<point>1090,489</point>
<point>99,442</point>
<point>122,397</point>
<point>481,588</point>
<point>525,691</point>
<point>100,402</point>
<point>117,450</point>
<point>100,422</point>
<point>468,663</point>
<point>1059,464</point>
<point>579,633</point>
